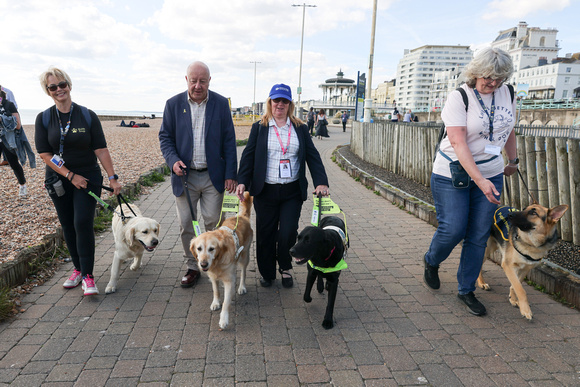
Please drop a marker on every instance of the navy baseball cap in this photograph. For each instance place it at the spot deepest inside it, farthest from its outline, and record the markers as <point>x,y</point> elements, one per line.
<point>281,91</point>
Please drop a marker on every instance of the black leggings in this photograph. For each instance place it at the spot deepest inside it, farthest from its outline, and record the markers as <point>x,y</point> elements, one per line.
<point>76,212</point>
<point>12,159</point>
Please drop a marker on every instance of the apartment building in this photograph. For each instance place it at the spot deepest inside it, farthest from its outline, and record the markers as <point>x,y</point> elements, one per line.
<point>557,80</point>
<point>416,70</point>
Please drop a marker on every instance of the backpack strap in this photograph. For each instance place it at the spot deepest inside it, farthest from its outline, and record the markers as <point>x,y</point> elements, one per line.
<point>84,111</point>
<point>512,92</point>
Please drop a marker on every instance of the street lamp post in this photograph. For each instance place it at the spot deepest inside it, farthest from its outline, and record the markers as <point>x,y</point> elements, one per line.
<point>254,105</point>
<point>304,5</point>
<point>368,97</point>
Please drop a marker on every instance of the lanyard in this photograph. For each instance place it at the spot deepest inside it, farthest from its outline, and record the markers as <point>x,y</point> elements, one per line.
<point>63,132</point>
<point>490,114</point>
<point>284,150</point>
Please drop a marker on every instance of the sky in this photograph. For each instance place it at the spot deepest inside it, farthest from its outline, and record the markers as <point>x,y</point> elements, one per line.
<point>132,55</point>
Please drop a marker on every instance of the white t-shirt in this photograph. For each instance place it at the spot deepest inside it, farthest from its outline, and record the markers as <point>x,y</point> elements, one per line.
<point>477,123</point>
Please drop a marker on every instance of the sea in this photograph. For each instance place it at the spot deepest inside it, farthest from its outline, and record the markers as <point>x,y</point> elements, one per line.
<point>28,116</point>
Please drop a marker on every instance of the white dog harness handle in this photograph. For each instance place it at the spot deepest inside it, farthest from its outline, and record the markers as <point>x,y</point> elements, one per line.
<point>236,240</point>
<point>340,232</point>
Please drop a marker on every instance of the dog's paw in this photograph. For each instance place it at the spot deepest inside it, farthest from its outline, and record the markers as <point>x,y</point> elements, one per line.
<point>526,311</point>
<point>242,290</point>
<point>134,266</point>
<point>328,324</point>
<point>307,298</point>
<point>110,289</point>
<point>483,285</point>
<point>224,319</point>
<point>513,301</point>
<point>215,305</point>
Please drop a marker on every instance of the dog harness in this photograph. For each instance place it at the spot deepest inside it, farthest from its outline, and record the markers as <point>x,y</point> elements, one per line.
<point>500,218</point>
<point>236,240</point>
<point>342,263</point>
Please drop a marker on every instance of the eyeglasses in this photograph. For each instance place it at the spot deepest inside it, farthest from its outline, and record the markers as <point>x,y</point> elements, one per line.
<point>61,85</point>
<point>499,82</point>
<point>283,100</point>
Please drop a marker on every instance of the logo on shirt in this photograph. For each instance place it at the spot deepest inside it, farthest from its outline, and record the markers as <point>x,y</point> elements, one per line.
<point>78,130</point>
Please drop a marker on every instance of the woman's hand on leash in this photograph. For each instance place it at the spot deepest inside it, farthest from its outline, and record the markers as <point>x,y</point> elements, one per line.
<point>322,189</point>
<point>230,186</point>
<point>489,191</point>
<point>240,191</point>
<point>116,186</point>
<point>179,168</point>
<point>510,169</point>
<point>79,181</point>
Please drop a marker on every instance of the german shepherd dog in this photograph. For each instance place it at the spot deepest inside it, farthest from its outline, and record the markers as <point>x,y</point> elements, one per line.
<point>323,248</point>
<point>532,234</point>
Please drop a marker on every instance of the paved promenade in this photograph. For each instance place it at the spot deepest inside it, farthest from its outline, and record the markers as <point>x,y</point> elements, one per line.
<point>391,330</point>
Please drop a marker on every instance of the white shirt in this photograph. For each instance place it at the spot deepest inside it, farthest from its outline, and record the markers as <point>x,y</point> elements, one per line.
<point>477,123</point>
<point>198,159</point>
<point>275,153</point>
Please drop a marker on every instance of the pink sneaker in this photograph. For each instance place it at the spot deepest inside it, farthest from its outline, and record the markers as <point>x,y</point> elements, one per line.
<point>74,280</point>
<point>89,285</point>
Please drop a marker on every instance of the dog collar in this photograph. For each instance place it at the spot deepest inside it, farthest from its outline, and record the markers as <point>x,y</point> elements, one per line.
<point>516,237</point>
<point>341,265</point>
<point>236,240</point>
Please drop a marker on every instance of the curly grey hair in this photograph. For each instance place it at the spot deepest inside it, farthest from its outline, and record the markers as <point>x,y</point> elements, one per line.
<point>489,63</point>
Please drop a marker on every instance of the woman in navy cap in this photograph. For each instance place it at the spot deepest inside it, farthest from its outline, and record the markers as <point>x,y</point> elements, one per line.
<point>273,168</point>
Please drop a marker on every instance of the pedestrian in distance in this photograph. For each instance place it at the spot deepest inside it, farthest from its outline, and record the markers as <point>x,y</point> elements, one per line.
<point>321,125</point>
<point>395,115</point>
<point>70,139</point>
<point>198,141</point>
<point>465,202</point>
<point>344,118</point>
<point>10,128</point>
<point>310,121</point>
<point>273,169</point>
<point>407,117</point>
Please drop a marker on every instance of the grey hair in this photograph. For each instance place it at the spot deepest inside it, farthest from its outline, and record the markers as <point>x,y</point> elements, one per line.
<point>58,74</point>
<point>489,63</point>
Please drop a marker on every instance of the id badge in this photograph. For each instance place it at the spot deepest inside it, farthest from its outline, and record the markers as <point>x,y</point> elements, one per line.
<point>57,160</point>
<point>492,150</point>
<point>285,170</point>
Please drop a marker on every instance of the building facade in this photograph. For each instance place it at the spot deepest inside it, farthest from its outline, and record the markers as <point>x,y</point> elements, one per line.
<point>416,71</point>
<point>558,80</point>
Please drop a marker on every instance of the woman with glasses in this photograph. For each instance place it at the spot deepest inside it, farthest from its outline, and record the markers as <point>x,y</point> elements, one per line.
<point>273,168</point>
<point>70,139</point>
<point>476,135</point>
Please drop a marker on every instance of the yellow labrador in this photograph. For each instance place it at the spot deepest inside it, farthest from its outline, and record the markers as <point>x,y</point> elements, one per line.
<point>132,237</point>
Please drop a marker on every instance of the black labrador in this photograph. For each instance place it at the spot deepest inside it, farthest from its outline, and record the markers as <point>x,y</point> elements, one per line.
<point>323,248</point>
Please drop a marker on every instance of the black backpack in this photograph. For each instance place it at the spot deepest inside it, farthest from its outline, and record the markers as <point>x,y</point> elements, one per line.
<point>443,132</point>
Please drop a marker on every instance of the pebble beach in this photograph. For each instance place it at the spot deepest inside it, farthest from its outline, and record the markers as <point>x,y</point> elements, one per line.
<point>25,221</point>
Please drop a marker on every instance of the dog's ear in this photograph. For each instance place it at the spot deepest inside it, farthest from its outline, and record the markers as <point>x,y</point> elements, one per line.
<point>554,214</point>
<point>130,235</point>
<point>193,248</point>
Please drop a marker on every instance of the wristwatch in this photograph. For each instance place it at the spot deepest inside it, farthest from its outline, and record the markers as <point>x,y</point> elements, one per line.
<point>515,161</point>
<point>114,177</point>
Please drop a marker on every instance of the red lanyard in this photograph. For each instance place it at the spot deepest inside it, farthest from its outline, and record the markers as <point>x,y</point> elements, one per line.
<point>284,150</point>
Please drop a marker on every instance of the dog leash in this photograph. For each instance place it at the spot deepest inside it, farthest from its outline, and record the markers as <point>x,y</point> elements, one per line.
<point>120,199</point>
<point>194,222</point>
<point>507,188</point>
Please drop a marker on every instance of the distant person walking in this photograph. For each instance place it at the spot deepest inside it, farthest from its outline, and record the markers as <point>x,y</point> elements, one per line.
<point>10,127</point>
<point>321,125</point>
<point>198,141</point>
<point>310,120</point>
<point>344,119</point>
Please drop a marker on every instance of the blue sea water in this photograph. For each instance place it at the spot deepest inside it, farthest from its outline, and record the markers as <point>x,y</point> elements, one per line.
<point>28,116</point>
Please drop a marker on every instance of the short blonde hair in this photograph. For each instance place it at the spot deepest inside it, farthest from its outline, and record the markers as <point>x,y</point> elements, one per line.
<point>489,63</point>
<point>55,72</point>
<point>268,115</point>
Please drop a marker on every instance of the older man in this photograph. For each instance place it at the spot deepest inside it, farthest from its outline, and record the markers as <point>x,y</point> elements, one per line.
<point>198,142</point>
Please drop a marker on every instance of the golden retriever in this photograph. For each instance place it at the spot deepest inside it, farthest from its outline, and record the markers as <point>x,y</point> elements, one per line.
<point>532,234</point>
<point>218,255</point>
<point>132,236</point>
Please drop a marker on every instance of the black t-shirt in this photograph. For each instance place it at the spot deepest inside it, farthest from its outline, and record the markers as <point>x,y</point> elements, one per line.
<point>79,143</point>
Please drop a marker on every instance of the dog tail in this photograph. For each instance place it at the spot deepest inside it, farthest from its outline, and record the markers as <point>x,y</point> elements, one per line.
<point>247,205</point>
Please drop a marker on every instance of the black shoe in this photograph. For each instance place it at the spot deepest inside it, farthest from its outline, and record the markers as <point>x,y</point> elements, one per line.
<point>473,305</point>
<point>287,282</point>
<point>266,283</point>
<point>431,276</point>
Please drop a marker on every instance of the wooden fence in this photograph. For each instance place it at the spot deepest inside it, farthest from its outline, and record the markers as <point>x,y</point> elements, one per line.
<point>549,162</point>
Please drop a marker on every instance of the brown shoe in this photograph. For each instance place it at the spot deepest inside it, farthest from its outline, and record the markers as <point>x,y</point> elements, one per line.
<point>190,278</point>
<point>4,162</point>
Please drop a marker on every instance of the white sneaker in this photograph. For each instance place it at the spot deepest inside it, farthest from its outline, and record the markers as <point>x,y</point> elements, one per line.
<point>89,285</point>
<point>22,191</point>
<point>74,280</point>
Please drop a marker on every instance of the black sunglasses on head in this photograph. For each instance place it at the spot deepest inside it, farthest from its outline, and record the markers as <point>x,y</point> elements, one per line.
<point>61,85</point>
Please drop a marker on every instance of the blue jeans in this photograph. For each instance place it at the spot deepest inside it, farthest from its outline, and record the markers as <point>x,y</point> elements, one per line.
<point>463,214</point>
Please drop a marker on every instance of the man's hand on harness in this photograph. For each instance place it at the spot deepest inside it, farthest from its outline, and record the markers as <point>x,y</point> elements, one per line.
<point>179,168</point>
<point>230,185</point>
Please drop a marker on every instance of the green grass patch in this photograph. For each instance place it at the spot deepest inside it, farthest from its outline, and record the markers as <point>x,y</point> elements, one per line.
<point>151,179</point>
<point>6,304</point>
<point>103,220</point>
